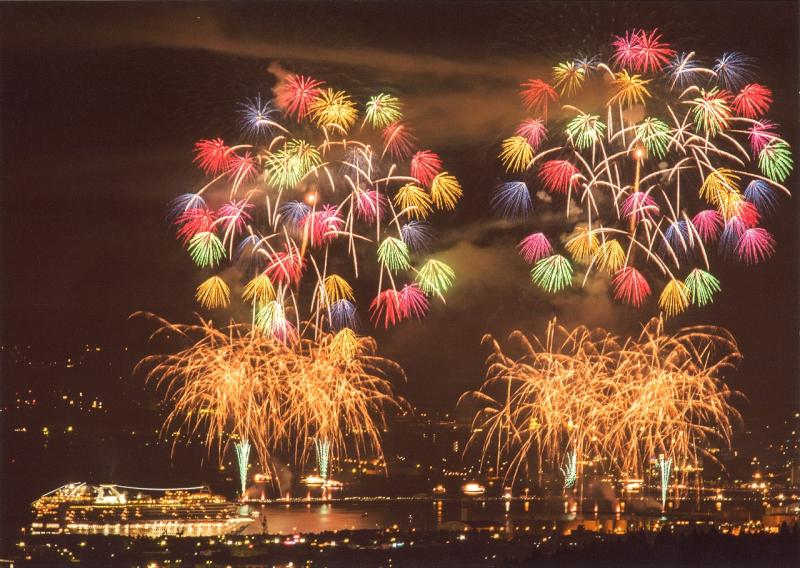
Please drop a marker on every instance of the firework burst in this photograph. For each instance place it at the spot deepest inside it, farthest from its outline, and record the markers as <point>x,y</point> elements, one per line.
<point>617,402</point>
<point>660,160</point>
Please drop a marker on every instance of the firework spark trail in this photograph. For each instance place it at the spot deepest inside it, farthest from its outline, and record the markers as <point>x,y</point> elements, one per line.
<point>238,383</point>
<point>669,138</point>
<point>613,402</point>
<point>242,449</point>
<point>665,469</point>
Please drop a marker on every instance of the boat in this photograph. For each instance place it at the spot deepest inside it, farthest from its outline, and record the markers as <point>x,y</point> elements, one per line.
<point>313,481</point>
<point>83,508</point>
<point>473,489</point>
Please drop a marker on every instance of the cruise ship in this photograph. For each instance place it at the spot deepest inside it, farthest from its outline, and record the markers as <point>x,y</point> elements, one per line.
<point>82,508</point>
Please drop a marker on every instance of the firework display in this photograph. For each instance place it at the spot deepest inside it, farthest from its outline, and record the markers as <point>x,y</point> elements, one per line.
<point>239,385</point>
<point>588,396</point>
<point>288,219</point>
<point>658,160</point>
<point>303,199</point>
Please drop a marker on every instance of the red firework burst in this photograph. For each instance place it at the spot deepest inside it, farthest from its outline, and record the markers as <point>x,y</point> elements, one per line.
<point>242,168</point>
<point>285,267</point>
<point>234,215</point>
<point>626,49</point>
<point>212,156</point>
<point>753,101</point>
<point>558,175</point>
<point>748,214</point>
<point>640,205</point>
<point>425,165</point>
<point>387,305</point>
<point>194,221</point>
<point>398,141</point>
<point>297,94</point>
<point>630,286</point>
<point>535,247</point>
<point>370,205</point>
<point>536,95</point>
<point>755,245</point>
<point>323,225</point>
<point>760,134</point>
<point>649,53</point>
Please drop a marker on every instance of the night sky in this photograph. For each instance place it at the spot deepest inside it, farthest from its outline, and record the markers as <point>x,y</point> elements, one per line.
<point>101,104</point>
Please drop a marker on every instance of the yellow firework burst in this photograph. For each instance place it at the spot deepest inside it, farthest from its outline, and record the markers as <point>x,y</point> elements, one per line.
<point>445,191</point>
<point>568,77</point>
<point>335,288</point>
<point>610,256</point>
<point>629,89</point>
<point>334,109</point>
<point>583,245</point>
<point>414,200</point>
<point>719,185</point>
<point>674,298</point>
<point>516,154</point>
<point>259,290</point>
<point>213,293</point>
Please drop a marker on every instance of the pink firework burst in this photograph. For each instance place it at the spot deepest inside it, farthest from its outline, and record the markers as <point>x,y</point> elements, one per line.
<point>708,224</point>
<point>626,49</point>
<point>630,286</point>
<point>558,175</point>
<point>413,302</point>
<point>285,267</point>
<point>649,52</point>
<point>212,156</point>
<point>242,168</point>
<point>370,205</point>
<point>534,247</point>
<point>536,95</point>
<point>755,245</point>
<point>296,95</point>
<point>425,165</point>
<point>640,205</point>
<point>398,141</point>
<point>194,221</point>
<point>760,134</point>
<point>323,225</point>
<point>533,130</point>
<point>753,101</point>
<point>235,215</point>
<point>387,306</point>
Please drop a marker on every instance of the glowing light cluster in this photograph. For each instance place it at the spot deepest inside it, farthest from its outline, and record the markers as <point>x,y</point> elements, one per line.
<point>587,395</point>
<point>309,188</point>
<point>239,385</point>
<point>667,161</point>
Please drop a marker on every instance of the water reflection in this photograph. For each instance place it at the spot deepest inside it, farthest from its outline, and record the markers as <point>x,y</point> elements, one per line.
<point>431,514</point>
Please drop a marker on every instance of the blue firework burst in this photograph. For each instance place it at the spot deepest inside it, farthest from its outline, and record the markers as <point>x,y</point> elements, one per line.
<point>256,117</point>
<point>762,195</point>
<point>734,69</point>
<point>512,200</point>
<point>417,235</point>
